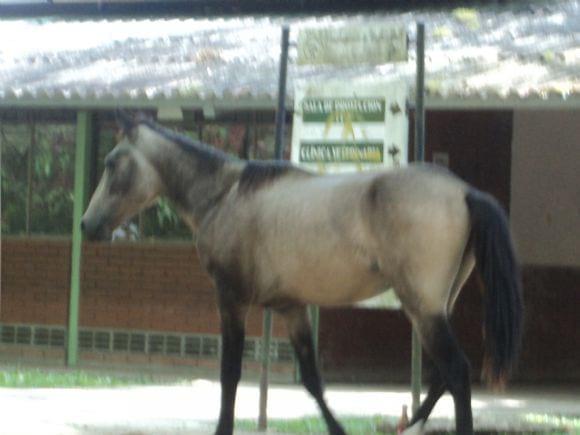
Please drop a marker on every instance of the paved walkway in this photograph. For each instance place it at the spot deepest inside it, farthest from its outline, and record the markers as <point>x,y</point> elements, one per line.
<point>193,408</point>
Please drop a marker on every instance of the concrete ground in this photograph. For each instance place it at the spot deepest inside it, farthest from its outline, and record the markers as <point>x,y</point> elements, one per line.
<point>193,408</point>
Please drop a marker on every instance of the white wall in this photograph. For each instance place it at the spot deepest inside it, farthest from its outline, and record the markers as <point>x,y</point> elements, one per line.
<point>545,186</point>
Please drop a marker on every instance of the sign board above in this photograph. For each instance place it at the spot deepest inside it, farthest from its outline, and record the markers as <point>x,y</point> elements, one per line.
<point>352,45</point>
<point>345,127</point>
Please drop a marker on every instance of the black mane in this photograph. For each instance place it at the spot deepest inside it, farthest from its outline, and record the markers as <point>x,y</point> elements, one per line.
<point>258,173</point>
<point>212,157</point>
<point>255,173</point>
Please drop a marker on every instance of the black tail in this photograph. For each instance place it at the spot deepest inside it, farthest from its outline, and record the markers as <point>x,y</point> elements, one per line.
<point>499,269</point>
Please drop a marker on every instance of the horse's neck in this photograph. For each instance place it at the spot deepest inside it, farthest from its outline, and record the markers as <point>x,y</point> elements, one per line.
<point>194,181</point>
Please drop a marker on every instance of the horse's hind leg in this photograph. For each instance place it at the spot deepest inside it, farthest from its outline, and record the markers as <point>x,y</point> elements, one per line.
<point>436,390</point>
<point>437,385</point>
<point>453,369</point>
<point>301,337</point>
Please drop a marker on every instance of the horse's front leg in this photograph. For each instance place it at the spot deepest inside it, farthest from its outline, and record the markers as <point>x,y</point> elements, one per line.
<point>233,333</point>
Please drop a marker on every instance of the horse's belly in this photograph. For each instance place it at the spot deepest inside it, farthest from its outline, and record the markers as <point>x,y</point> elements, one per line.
<point>332,286</point>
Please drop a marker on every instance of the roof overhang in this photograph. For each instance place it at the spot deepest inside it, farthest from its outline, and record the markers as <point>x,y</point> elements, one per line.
<point>436,102</point>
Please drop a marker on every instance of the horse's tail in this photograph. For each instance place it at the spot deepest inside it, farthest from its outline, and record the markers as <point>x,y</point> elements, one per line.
<point>498,266</point>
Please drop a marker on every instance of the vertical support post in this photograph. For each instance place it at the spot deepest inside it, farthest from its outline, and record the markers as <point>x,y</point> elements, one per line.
<point>265,370</point>
<point>281,111</point>
<point>279,154</point>
<point>83,134</point>
<point>30,174</point>
<point>420,95</point>
<point>315,326</point>
<point>416,353</point>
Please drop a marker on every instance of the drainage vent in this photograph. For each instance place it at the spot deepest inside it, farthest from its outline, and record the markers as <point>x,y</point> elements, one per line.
<point>121,341</point>
<point>173,345</point>
<point>57,337</point>
<point>250,349</point>
<point>210,346</point>
<point>41,336</point>
<point>137,343</point>
<point>285,351</point>
<point>86,340</point>
<point>8,334</point>
<point>23,335</point>
<point>155,343</point>
<point>192,346</point>
<point>145,342</point>
<point>102,340</point>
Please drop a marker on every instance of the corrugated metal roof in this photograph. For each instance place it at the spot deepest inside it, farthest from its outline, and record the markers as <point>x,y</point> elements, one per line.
<point>528,53</point>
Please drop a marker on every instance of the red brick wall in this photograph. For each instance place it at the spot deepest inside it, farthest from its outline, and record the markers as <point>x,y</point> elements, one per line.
<point>363,345</point>
<point>149,286</point>
<point>35,280</point>
<point>161,287</point>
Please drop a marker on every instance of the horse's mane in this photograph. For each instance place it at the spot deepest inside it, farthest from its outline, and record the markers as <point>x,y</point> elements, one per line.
<point>257,173</point>
<point>211,156</point>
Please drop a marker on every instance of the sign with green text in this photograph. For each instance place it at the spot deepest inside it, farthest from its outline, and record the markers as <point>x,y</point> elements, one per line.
<point>347,127</point>
<point>343,109</point>
<point>341,152</point>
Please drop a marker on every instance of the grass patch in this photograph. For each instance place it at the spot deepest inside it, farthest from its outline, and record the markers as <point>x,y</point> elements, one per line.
<point>19,377</point>
<point>315,425</point>
<point>565,423</point>
<point>534,424</point>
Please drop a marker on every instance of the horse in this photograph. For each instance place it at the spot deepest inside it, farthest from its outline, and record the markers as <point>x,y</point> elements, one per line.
<point>274,235</point>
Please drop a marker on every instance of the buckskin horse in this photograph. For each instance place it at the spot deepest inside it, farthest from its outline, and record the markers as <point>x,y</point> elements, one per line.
<point>274,235</point>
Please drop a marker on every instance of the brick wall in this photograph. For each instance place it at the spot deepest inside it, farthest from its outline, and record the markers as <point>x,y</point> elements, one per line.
<point>161,287</point>
<point>35,280</point>
<point>375,345</point>
<point>147,286</point>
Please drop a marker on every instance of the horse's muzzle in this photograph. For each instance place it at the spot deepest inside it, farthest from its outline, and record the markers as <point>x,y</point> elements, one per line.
<point>95,232</point>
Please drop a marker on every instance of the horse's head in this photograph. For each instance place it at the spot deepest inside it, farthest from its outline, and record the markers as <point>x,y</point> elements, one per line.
<point>129,183</point>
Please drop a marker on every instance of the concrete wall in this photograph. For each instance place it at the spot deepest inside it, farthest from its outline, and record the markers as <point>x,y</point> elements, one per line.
<point>545,186</point>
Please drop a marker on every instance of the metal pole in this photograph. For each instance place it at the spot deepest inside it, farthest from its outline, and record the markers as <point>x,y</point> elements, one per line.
<point>315,326</point>
<point>30,175</point>
<point>281,112</point>
<point>265,370</point>
<point>279,153</point>
<point>419,156</point>
<point>83,132</point>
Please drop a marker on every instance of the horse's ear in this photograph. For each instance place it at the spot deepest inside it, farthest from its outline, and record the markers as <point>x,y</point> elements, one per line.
<point>125,121</point>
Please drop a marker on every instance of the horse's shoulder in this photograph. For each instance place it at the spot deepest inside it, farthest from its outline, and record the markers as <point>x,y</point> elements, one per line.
<point>257,174</point>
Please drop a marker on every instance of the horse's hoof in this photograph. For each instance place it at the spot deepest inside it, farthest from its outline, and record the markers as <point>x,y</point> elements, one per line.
<point>224,431</point>
<point>336,430</point>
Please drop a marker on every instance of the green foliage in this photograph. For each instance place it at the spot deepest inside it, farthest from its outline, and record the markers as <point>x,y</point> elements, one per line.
<point>51,177</point>
<point>162,221</point>
<point>53,180</point>
<point>14,141</point>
